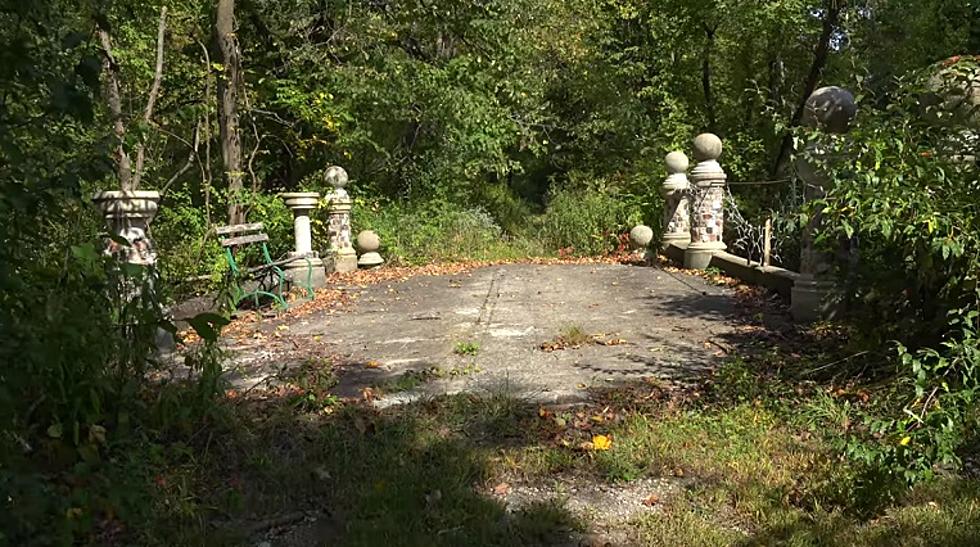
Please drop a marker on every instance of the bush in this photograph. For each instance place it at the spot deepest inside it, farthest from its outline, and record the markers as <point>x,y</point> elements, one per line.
<point>911,204</point>
<point>431,230</point>
<point>585,222</point>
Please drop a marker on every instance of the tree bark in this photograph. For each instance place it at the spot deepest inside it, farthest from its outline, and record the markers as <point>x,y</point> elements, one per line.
<point>124,168</point>
<point>709,97</point>
<point>229,88</point>
<point>830,22</point>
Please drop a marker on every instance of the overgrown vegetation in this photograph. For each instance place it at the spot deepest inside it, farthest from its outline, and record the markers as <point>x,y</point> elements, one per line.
<point>488,129</point>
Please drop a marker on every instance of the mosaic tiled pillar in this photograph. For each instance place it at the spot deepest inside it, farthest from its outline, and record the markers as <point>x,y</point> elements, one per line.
<point>707,203</point>
<point>675,190</point>
<point>342,257</point>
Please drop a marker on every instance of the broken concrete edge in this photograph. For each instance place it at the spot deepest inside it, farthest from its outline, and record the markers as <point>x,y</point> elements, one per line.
<point>773,278</point>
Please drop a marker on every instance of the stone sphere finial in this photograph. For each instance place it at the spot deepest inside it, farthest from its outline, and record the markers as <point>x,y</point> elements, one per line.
<point>337,177</point>
<point>677,162</point>
<point>830,108</point>
<point>641,237</point>
<point>707,147</point>
<point>368,241</point>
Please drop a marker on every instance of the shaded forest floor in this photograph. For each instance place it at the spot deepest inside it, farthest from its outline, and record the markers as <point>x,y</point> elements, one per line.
<point>742,456</point>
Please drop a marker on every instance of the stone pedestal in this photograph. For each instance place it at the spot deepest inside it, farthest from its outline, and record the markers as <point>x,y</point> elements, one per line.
<point>369,243</point>
<point>128,215</point>
<point>677,214</point>
<point>341,255</point>
<point>811,299</point>
<point>298,271</point>
<point>708,203</point>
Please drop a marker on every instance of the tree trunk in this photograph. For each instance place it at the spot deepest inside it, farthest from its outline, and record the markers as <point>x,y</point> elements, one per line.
<point>709,97</point>
<point>229,88</point>
<point>830,21</point>
<point>124,168</point>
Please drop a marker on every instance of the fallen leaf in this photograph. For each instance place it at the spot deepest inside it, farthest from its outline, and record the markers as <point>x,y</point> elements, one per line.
<point>601,442</point>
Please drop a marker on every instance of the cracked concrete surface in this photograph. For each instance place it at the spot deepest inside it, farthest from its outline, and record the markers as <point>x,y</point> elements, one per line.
<point>666,322</point>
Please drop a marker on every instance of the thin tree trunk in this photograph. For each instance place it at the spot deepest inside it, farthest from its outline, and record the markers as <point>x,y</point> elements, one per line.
<point>709,97</point>
<point>151,101</point>
<point>821,55</point>
<point>229,88</point>
<point>124,168</point>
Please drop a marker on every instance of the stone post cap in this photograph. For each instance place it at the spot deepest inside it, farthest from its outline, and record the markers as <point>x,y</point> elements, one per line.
<point>368,241</point>
<point>677,162</point>
<point>641,236</point>
<point>707,147</point>
<point>301,200</point>
<point>830,108</point>
<point>337,177</point>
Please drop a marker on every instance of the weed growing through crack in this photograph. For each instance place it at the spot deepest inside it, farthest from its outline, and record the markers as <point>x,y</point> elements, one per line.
<point>468,349</point>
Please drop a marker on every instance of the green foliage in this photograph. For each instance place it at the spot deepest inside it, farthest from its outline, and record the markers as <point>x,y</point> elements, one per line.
<point>470,349</point>
<point>585,222</point>
<point>905,194</point>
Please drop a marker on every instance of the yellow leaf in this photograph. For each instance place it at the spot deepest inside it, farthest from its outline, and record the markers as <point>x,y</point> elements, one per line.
<point>601,442</point>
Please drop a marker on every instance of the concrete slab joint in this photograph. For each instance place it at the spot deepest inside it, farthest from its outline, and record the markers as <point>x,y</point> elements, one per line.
<point>708,181</point>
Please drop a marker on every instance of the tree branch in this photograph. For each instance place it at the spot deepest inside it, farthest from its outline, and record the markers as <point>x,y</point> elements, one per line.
<point>152,99</point>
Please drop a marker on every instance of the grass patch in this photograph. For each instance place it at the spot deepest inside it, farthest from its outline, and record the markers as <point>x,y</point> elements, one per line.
<point>747,471</point>
<point>467,349</point>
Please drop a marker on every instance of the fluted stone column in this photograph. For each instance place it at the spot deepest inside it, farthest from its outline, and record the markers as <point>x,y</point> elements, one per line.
<point>675,190</point>
<point>342,256</point>
<point>831,109</point>
<point>708,181</point>
<point>307,265</point>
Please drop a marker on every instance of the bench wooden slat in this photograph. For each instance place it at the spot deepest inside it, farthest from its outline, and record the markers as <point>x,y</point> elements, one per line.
<point>239,228</point>
<point>242,240</point>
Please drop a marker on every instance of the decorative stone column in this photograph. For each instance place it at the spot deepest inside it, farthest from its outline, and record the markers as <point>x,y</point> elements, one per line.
<point>342,257</point>
<point>306,265</point>
<point>708,203</point>
<point>677,214</point>
<point>128,215</point>
<point>831,109</point>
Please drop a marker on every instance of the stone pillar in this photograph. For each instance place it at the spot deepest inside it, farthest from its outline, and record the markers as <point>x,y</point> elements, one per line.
<point>831,109</point>
<point>342,257</point>
<point>677,214</point>
<point>298,271</point>
<point>707,203</point>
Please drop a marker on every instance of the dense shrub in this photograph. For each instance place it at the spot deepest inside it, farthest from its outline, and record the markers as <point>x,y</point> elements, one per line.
<point>585,222</point>
<point>904,193</point>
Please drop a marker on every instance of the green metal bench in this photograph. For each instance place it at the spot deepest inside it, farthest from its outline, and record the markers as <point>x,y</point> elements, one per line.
<point>266,280</point>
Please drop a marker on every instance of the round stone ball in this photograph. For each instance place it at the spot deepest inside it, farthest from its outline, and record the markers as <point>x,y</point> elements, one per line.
<point>641,237</point>
<point>336,177</point>
<point>368,241</point>
<point>830,108</point>
<point>677,162</point>
<point>707,147</point>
